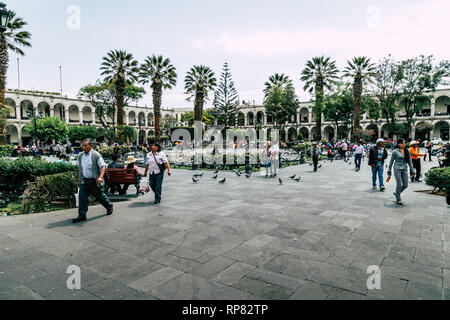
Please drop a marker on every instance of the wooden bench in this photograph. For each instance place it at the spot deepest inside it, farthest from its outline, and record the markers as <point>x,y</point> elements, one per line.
<point>123,176</point>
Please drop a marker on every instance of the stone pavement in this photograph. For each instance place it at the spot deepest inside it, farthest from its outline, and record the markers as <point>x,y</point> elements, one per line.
<point>247,239</point>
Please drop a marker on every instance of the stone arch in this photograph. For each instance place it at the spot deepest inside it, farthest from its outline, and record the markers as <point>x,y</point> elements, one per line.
<point>141,117</point>
<point>251,118</point>
<point>241,119</point>
<point>142,137</point>
<point>313,133</point>
<point>131,118</point>
<point>305,132</point>
<point>329,133</point>
<point>74,114</point>
<point>304,115</point>
<point>87,115</point>
<point>25,105</point>
<point>44,109</point>
<point>422,133</point>
<point>260,118</point>
<point>151,133</point>
<point>292,135</point>
<point>442,106</point>
<point>150,119</point>
<point>441,130</point>
<point>12,135</point>
<point>59,111</point>
<point>26,137</point>
<point>12,104</point>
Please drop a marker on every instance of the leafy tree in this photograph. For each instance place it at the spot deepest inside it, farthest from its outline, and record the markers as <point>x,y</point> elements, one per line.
<point>126,134</point>
<point>199,80</point>
<point>11,40</point>
<point>189,118</point>
<point>102,97</point>
<point>120,69</point>
<point>339,107</point>
<point>48,129</point>
<point>362,71</point>
<point>386,91</point>
<point>320,74</point>
<point>80,133</point>
<point>168,123</point>
<point>226,99</point>
<point>162,75</point>
<point>281,104</point>
<point>280,80</point>
<point>419,75</point>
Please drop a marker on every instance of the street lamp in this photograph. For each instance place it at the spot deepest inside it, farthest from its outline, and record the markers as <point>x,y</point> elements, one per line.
<point>5,16</point>
<point>139,124</point>
<point>33,116</point>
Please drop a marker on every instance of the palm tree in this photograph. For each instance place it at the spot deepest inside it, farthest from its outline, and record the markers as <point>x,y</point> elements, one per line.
<point>199,80</point>
<point>161,74</point>
<point>362,71</point>
<point>120,68</point>
<point>275,80</point>
<point>320,73</point>
<point>13,38</point>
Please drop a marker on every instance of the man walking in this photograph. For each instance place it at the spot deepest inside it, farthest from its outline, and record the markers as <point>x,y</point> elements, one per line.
<point>377,156</point>
<point>315,153</point>
<point>359,152</point>
<point>429,147</point>
<point>92,168</point>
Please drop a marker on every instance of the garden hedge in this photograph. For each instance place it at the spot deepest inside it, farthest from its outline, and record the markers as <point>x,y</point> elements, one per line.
<point>15,173</point>
<point>439,179</point>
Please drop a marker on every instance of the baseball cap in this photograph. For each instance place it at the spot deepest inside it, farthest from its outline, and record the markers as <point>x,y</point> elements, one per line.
<point>380,141</point>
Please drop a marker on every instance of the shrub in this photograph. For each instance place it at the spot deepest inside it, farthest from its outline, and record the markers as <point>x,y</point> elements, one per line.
<point>15,174</point>
<point>300,137</point>
<point>6,150</point>
<point>439,179</point>
<point>108,152</point>
<point>49,188</point>
<point>125,134</point>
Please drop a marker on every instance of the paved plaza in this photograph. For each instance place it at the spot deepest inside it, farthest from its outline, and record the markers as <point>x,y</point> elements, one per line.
<point>247,239</point>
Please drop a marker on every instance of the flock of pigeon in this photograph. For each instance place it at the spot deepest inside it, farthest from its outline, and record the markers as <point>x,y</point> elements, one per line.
<point>238,173</point>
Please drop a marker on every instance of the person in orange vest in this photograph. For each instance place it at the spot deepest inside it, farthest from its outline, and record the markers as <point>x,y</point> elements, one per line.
<point>415,156</point>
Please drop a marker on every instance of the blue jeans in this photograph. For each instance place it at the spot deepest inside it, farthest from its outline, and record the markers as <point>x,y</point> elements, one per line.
<point>358,158</point>
<point>378,170</point>
<point>156,182</point>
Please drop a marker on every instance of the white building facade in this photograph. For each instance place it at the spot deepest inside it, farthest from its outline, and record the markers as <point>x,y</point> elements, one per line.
<point>79,112</point>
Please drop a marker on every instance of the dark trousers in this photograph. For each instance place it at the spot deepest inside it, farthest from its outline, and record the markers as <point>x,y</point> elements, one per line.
<point>416,164</point>
<point>430,151</point>
<point>90,188</point>
<point>358,158</point>
<point>316,162</point>
<point>156,182</point>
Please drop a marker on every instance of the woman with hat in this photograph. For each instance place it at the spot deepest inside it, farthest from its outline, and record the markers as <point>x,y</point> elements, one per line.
<point>130,164</point>
<point>156,164</point>
<point>415,156</point>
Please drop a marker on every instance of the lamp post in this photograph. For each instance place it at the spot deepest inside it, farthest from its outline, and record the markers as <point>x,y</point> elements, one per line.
<point>139,124</point>
<point>33,116</point>
<point>5,15</point>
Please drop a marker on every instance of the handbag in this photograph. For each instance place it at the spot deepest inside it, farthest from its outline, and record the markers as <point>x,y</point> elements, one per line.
<point>162,166</point>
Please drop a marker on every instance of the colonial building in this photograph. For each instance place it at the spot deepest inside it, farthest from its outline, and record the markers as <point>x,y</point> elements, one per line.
<point>74,112</point>
<point>436,114</point>
<point>79,112</point>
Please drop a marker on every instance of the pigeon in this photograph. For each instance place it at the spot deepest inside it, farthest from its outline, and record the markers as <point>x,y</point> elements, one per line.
<point>215,177</point>
<point>238,174</point>
<point>349,163</point>
<point>281,181</point>
<point>320,166</point>
<point>248,175</point>
<point>298,179</point>
<point>216,172</point>
<point>293,177</point>
<point>310,164</point>
<point>223,181</point>
<point>201,175</point>
<point>195,181</point>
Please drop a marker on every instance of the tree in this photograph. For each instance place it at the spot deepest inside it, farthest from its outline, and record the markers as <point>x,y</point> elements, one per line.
<point>168,123</point>
<point>281,104</point>
<point>102,97</point>
<point>120,69</point>
<point>320,74</point>
<point>338,107</point>
<point>199,80</point>
<point>280,80</point>
<point>189,118</point>
<point>48,129</point>
<point>386,91</point>
<point>11,40</point>
<point>226,99</point>
<point>162,75</point>
<point>419,75</point>
<point>362,71</point>
<point>126,134</point>
<point>80,133</point>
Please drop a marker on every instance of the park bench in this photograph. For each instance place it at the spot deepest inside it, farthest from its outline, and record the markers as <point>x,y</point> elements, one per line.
<point>123,176</point>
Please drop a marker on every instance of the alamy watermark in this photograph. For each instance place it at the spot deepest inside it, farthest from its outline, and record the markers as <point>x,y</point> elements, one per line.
<point>374,281</point>
<point>74,280</point>
<point>73,21</point>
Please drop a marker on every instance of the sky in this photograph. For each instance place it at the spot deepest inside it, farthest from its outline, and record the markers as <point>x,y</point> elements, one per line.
<point>256,37</point>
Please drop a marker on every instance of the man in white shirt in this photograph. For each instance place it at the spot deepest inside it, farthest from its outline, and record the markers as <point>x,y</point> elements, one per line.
<point>359,152</point>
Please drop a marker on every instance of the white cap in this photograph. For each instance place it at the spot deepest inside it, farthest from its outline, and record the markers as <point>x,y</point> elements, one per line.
<point>380,141</point>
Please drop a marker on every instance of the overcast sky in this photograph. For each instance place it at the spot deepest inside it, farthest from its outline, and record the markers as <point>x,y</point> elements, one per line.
<point>257,37</point>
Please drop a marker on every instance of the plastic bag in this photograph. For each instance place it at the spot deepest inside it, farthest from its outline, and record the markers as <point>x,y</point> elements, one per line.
<point>77,197</point>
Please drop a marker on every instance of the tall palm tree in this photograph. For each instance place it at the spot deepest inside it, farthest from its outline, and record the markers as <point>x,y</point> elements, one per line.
<point>162,75</point>
<point>199,80</point>
<point>275,80</point>
<point>120,68</point>
<point>362,71</point>
<point>320,73</point>
<point>12,39</point>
